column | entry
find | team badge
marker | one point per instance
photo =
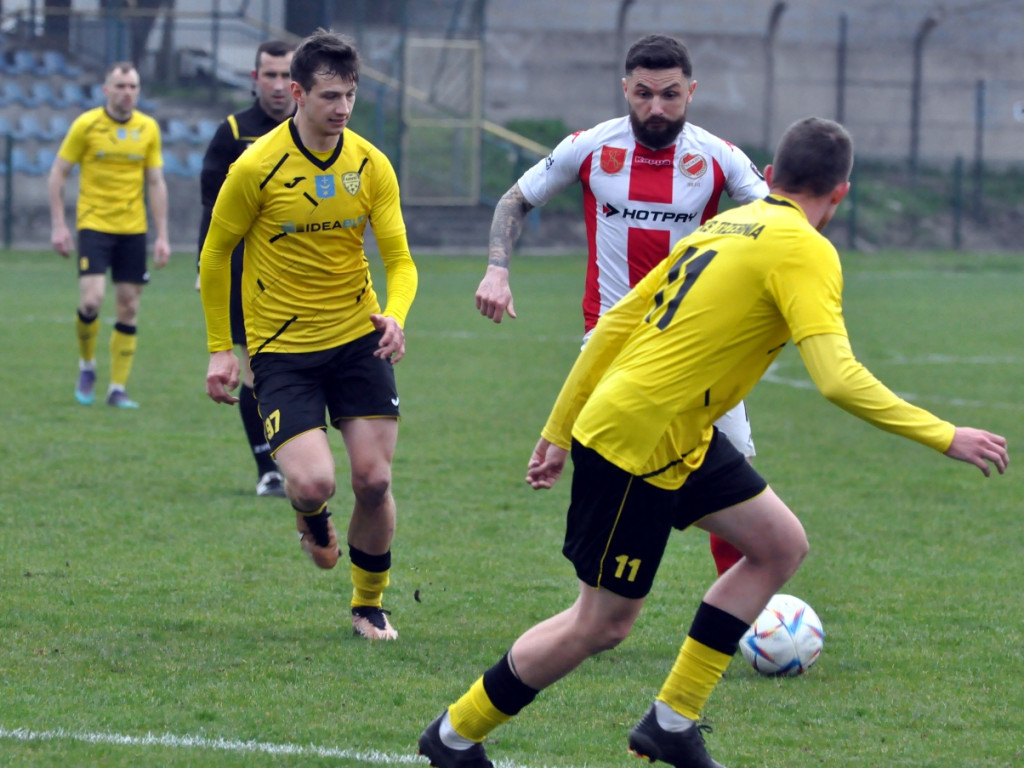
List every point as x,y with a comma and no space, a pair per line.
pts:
325,186
693,165
122,134
612,159
351,182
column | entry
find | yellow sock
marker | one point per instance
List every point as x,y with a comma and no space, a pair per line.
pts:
694,675
368,586
474,716
88,332
122,355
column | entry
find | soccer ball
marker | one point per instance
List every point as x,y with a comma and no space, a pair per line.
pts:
786,639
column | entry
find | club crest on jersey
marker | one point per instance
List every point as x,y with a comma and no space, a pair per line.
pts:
351,182
693,165
325,186
612,159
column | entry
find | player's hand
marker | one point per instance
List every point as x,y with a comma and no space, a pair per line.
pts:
61,240
545,465
222,377
198,281
161,252
978,447
391,346
493,296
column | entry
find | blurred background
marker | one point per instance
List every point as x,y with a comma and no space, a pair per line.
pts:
463,95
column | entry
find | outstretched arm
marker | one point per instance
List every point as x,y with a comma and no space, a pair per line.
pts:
493,296
845,382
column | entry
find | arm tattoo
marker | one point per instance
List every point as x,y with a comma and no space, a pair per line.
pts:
507,226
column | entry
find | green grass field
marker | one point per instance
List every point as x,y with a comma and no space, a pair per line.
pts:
154,612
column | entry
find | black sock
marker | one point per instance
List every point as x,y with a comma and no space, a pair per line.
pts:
317,525
249,410
506,691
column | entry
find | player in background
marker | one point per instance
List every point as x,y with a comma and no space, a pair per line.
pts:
118,150
301,196
649,178
271,80
687,343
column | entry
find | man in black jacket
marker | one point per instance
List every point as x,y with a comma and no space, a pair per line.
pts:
274,104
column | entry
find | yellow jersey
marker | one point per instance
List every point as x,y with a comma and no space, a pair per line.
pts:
306,282
695,335
113,156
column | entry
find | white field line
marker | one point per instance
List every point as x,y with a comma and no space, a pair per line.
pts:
169,740
774,376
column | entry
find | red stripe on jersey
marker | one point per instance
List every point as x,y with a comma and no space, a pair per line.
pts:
711,208
646,247
651,173
592,289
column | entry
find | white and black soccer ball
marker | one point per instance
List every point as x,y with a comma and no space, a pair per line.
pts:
786,639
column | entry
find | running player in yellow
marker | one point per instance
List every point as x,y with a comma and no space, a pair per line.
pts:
118,150
301,197
637,412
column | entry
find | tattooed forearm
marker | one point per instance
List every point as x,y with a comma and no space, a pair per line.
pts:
507,226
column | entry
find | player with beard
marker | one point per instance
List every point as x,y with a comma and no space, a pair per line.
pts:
649,179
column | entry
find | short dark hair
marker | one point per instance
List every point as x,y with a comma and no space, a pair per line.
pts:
659,52
327,54
118,66
273,48
814,155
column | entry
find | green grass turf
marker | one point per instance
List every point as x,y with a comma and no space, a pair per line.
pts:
146,591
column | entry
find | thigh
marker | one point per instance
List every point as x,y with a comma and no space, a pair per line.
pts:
759,527
361,386
370,444
290,392
617,526
128,262
306,458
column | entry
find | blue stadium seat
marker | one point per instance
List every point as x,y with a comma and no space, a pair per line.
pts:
14,93
178,131
95,95
44,95
194,162
54,63
173,165
75,96
28,127
23,63
22,162
205,130
58,127
5,128
45,157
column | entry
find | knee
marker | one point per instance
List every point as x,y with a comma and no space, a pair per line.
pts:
607,634
371,489
307,492
89,306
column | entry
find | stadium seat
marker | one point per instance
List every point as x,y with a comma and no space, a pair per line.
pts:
45,157
14,93
205,130
173,165
58,127
54,63
178,131
75,96
5,127
28,127
22,162
194,162
24,63
43,94
95,95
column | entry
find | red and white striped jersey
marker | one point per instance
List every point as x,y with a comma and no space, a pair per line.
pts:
637,201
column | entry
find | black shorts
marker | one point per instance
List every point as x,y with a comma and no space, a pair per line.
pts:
123,255
295,389
237,318
618,525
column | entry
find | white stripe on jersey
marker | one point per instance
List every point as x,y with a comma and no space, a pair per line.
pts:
638,202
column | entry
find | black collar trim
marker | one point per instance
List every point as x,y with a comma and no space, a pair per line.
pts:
323,165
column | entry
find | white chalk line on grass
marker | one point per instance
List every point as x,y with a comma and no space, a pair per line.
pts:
173,741
773,376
